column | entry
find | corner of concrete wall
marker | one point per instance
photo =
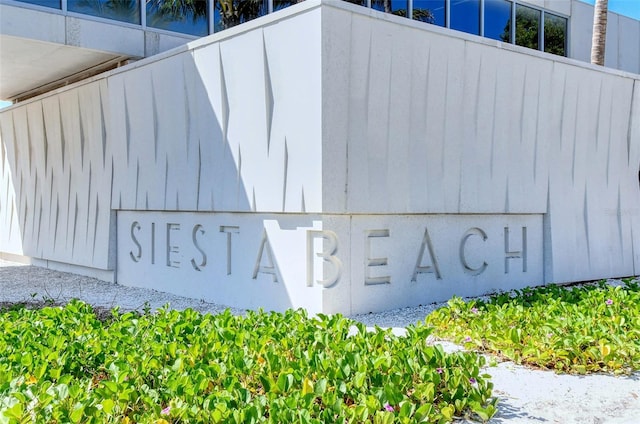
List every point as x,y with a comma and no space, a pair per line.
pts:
336,70
633,147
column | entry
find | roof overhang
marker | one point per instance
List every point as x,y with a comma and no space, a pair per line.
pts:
42,49
30,67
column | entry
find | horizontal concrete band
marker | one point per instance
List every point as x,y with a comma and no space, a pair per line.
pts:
328,263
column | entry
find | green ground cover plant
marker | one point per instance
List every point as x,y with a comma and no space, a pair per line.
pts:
63,364
579,330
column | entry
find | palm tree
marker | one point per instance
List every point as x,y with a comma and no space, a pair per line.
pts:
599,32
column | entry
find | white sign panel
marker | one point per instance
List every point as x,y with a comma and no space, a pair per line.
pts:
328,263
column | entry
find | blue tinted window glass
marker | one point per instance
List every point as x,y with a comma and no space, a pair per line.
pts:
527,26
555,34
118,10
431,11
497,20
397,7
186,17
229,13
47,3
358,2
465,16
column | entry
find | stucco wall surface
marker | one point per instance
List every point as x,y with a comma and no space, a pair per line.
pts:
58,161
231,124
417,121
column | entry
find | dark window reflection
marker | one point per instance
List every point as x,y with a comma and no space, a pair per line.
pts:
555,34
118,10
229,13
359,2
47,3
281,4
189,17
465,16
527,27
431,11
397,7
497,20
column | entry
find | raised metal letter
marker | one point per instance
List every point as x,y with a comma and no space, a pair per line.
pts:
371,262
516,253
463,260
265,269
426,269
328,255
153,243
135,258
229,230
203,262
172,249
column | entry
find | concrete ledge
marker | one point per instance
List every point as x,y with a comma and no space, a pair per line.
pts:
19,259
100,274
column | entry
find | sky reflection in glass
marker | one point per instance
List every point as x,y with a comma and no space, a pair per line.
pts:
497,20
431,11
397,6
194,23
47,3
433,8
465,16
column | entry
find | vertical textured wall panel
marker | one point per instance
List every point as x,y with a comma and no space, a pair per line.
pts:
447,125
56,154
10,233
352,115
232,125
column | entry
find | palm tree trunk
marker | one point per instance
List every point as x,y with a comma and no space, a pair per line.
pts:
599,32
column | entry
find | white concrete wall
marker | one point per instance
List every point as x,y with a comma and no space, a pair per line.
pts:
421,122
223,126
202,129
10,236
57,156
366,163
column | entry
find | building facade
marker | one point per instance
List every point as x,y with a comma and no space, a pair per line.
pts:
333,157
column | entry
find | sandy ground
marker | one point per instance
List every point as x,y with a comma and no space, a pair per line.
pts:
525,395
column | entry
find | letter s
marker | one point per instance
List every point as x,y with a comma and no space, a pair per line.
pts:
135,226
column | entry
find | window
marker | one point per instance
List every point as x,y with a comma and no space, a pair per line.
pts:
497,20
430,11
281,4
229,13
186,17
555,34
47,3
358,2
465,16
397,7
118,10
527,27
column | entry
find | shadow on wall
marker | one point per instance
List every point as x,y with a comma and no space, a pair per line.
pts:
209,130
203,130
57,165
